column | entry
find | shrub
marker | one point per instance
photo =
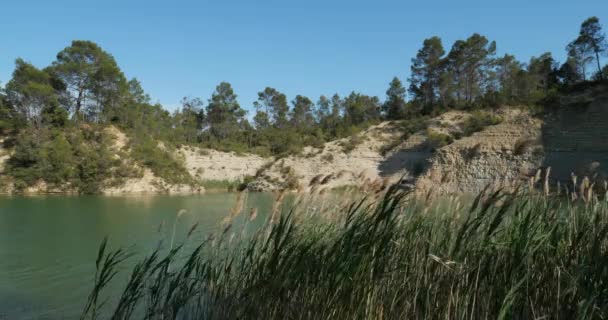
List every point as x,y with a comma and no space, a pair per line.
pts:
437,140
328,157
478,121
225,185
348,145
291,181
147,151
75,158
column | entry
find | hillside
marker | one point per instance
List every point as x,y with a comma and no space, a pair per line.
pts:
202,165
375,156
569,138
455,152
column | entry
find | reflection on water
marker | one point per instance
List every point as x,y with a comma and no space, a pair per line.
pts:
48,244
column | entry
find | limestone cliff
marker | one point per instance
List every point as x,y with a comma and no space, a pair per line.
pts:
499,154
571,137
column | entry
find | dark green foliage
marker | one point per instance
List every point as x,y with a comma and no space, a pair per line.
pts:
224,114
274,104
302,117
93,81
31,93
395,106
437,140
70,159
349,144
478,121
501,256
226,185
158,157
9,118
360,109
189,121
603,75
427,72
588,46
470,76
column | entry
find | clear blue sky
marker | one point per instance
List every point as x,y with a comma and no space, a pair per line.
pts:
185,48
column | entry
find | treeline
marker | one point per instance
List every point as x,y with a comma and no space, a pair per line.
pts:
85,85
85,88
471,74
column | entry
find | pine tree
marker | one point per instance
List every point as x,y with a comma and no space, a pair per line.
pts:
395,106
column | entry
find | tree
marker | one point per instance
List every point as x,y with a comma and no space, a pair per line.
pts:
426,71
189,119
322,109
92,78
395,106
9,118
468,64
569,72
136,92
508,74
592,41
224,112
601,75
302,113
329,114
261,119
543,72
360,109
30,92
579,58
274,104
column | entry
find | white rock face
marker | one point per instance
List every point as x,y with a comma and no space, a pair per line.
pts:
207,164
495,156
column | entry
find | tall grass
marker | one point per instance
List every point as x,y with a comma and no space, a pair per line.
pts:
505,255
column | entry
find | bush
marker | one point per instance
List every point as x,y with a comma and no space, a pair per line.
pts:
328,157
478,121
147,152
227,185
437,140
348,145
77,159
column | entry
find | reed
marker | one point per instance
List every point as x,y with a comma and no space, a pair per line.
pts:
518,254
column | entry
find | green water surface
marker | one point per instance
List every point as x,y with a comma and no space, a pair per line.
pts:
48,244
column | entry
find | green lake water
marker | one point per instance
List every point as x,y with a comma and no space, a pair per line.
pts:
48,245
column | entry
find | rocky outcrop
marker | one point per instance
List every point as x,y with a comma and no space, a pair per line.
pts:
377,153
499,154
208,164
570,138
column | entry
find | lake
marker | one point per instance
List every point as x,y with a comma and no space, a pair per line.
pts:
48,244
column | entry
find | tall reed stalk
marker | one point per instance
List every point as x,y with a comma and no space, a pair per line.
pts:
504,255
